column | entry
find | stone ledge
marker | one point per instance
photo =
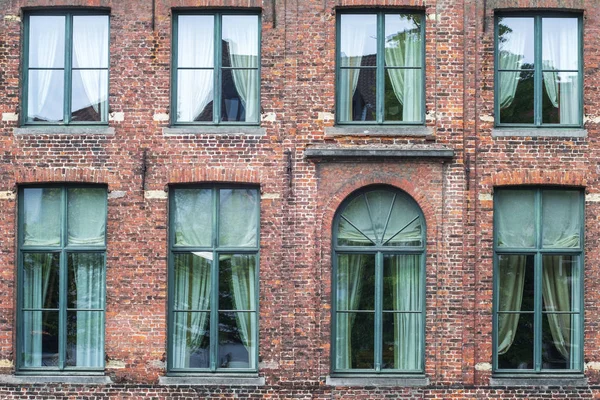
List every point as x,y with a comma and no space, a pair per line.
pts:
388,381
64,130
539,132
373,152
376,130
67,379
214,130
210,380
547,380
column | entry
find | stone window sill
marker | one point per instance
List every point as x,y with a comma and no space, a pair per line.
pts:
543,380
378,130
214,130
212,380
64,130
67,379
378,381
539,132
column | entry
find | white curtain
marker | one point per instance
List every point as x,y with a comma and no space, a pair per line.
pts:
86,216
238,224
510,56
405,50
195,48
241,34
42,217
90,47
192,217
192,292
243,288
46,49
349,284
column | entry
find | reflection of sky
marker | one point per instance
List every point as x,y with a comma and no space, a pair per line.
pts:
520,27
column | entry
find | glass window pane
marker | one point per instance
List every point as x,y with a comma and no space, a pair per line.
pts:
358,39
402,341
515,341
90,41
560,43
86,216
561,218
403,40
516,282
405,227
195,95
561,341
560,98
561,284
240,41
41,215
380,206
195,41
192,281
89,91
46,41
192,217
356,282
86,281
358,229
357,95
515,43
237,344
240,95
40,339
238,217
403,95
237,287
191,340
85,339
516,92
402,282
355,341
40,280
515,218
45,96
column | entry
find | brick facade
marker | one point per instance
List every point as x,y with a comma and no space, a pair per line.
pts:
299,195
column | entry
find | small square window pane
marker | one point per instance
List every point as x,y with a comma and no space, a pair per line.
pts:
45,95
515,43
192,217
90,41
240,94
40,339
195,41
40,280
561,284
561,341
561,219
85,339
237,287
402,341
46,41
402,282
515,219
87,216
560,98
357,95
358,40
355,282
403,40
237,344
42,213
89,95
516,97
238,218
355,341
403,95
560,43
240,41
515,341
192,281
516,283
191,340
86,281
195,95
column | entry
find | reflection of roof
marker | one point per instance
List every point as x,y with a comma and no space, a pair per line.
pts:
85,114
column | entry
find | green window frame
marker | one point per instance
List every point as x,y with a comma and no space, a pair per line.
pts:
396,64
538,64
538,281
66,64
213,306
61,279
378,284
216,85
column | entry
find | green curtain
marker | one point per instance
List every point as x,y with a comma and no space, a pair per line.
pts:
243,287
515,218
512,280
561,219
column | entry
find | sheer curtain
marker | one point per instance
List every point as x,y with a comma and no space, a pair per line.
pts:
349,274
244,294
195,48
42,217
241,34
192,216
512,48
86,216
238,223
512,282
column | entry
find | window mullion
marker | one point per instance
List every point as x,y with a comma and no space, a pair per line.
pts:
68,73
380,78
537,324
214,277
378,342
62,291
537,73
217,70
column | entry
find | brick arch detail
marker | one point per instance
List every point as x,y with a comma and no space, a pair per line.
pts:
214,174
391,3
52,175
537,177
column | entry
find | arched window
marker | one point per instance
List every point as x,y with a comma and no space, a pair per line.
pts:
378,283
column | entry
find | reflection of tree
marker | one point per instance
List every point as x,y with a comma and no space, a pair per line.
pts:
503,32
520,109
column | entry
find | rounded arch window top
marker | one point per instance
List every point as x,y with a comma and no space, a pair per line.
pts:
380,217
